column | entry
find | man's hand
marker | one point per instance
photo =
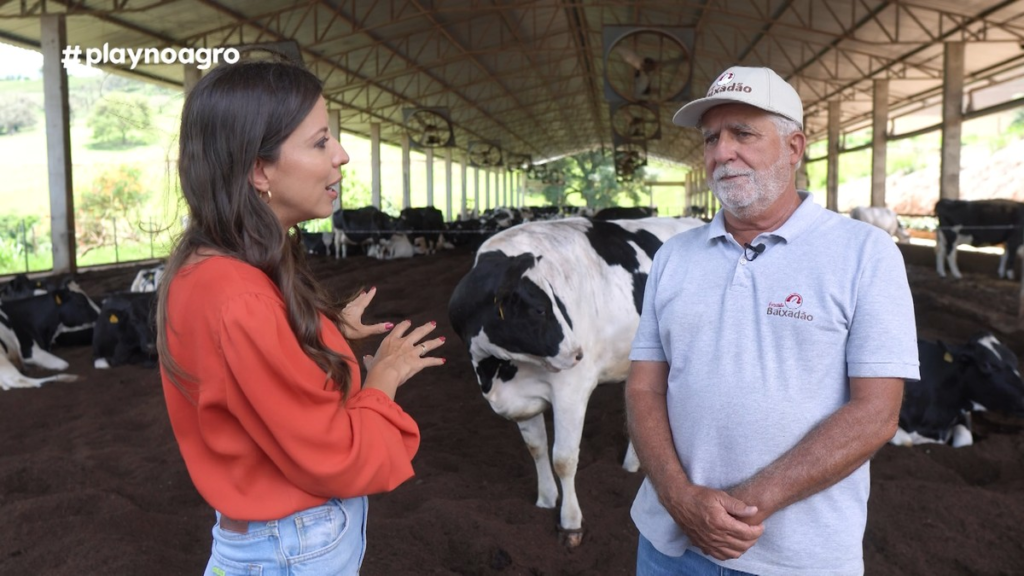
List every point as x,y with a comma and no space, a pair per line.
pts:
352,326
714,521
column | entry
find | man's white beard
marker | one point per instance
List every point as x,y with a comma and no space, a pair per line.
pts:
753,192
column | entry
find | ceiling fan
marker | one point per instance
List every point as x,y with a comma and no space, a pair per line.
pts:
537,172
518,162
647,64
629,157
429,127
554,177
634,121
484,154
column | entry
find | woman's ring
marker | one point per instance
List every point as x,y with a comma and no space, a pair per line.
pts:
424,351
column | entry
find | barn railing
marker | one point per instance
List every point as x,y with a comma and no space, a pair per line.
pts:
25,244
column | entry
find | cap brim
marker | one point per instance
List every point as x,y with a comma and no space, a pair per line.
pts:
690,114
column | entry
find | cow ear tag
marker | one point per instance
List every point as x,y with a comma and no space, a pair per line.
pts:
56,298
948,357
113,318
501,313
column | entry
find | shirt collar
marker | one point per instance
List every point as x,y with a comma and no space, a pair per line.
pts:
799,221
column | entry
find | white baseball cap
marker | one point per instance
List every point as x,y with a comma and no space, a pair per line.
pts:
758,87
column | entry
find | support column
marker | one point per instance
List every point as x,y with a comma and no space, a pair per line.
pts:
334,126
465,189
192,77
487,188
448,184
430,176
832,182
406,162
476,190
952,119
375,164
879,141
53,39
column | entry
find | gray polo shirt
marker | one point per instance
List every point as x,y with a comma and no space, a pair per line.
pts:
759,353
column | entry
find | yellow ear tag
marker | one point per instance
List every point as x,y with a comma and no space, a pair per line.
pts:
501,313
113,318
56,298
948,357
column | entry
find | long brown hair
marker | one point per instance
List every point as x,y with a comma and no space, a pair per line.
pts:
236,114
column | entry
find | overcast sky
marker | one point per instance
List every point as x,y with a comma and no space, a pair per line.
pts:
16,61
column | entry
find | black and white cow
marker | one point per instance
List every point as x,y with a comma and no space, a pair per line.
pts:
423,226
393,248
982,374
978,223
624,212
148,279
359,227
125,330
881,217
12,362
548,312
21,286
38,321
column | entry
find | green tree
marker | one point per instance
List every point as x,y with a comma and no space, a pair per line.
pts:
16,112
355,192
121,119
591,176
110,207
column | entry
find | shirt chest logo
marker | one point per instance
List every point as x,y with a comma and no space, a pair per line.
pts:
790,308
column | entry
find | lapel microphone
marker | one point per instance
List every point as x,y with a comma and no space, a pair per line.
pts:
755,249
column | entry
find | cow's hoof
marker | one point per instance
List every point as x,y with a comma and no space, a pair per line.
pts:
570,537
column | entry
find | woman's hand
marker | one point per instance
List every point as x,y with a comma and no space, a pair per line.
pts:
401,356
352,326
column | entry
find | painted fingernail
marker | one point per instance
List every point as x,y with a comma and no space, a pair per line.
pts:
441,339
432,323
388,326
372,288
444,360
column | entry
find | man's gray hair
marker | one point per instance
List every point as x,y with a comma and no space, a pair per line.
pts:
785,127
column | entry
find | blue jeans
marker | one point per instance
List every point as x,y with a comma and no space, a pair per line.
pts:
326,540
650,562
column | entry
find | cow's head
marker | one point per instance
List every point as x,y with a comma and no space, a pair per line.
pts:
994,380
506,308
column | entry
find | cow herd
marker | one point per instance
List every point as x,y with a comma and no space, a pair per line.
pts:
38,316
546,314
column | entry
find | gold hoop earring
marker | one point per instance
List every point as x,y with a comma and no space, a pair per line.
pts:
270,196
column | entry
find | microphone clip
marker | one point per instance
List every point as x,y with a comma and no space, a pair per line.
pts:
755,249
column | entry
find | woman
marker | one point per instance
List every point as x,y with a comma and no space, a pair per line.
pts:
263,392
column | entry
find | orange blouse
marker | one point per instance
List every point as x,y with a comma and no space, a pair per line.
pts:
266,437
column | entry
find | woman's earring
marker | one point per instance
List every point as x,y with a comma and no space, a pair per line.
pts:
269,196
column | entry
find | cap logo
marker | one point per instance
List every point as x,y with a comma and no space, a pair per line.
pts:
725,79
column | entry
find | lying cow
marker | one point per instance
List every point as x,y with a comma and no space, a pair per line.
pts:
38,321
548,313
978,223
360,227
882,217
21,287
12,362
398,246
125,331
148,279
979,375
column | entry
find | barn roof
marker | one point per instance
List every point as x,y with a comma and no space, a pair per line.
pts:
546,78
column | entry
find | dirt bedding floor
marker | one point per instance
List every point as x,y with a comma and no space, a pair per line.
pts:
91,482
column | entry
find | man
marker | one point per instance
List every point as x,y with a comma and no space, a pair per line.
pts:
769,362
